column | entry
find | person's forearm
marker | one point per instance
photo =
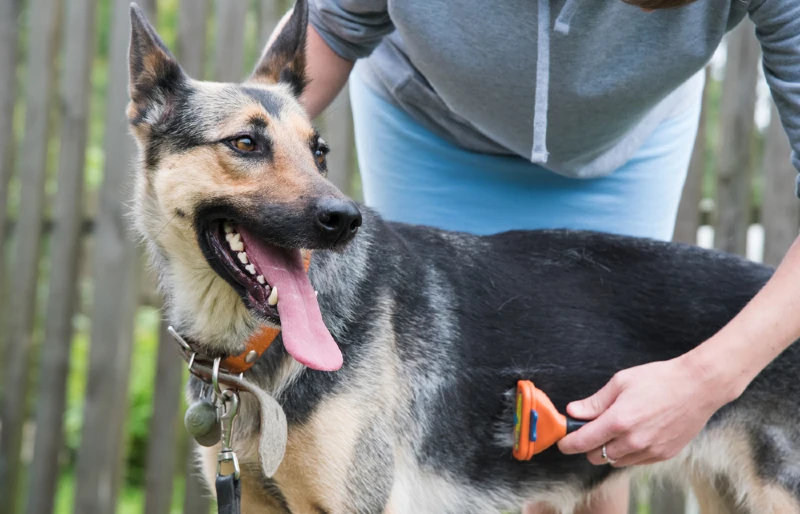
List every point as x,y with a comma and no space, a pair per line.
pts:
326,71
758,334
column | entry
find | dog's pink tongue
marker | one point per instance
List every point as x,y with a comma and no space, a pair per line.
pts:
305,336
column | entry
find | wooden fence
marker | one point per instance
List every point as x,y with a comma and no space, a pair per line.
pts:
73,271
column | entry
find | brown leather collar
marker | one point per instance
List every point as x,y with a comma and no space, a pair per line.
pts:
257,344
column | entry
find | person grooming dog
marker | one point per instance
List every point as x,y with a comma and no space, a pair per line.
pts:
520,115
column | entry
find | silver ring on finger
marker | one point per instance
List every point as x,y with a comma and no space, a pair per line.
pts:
605,456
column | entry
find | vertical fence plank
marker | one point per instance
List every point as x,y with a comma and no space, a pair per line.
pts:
42,44
780,212
338,133
65,250
9,14
688,219
192,23
191,53
162,439
114,274
736,130
229,63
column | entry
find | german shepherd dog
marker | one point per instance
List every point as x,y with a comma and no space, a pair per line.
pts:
395,380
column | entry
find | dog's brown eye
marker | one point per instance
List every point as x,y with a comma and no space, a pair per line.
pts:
244,144
320,151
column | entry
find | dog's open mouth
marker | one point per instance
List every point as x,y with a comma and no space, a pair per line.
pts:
274,285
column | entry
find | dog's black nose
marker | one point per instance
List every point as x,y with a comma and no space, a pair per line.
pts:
338,219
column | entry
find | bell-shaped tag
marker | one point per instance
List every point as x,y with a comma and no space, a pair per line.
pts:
202,422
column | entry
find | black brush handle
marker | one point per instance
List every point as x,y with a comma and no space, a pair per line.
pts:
574,424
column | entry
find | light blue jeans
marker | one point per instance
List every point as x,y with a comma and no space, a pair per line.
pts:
409,174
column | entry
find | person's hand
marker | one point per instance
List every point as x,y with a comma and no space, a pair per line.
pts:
645,414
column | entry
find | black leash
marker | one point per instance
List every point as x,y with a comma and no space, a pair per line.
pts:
229,494
229,491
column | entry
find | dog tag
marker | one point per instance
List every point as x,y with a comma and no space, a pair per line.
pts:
273,428
202,423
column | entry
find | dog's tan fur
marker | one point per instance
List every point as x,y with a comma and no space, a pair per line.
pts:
314,472
318,455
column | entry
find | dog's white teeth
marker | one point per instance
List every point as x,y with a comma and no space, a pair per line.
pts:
236,242
243,258
273,297
316,293
250,269
228,227
261,279
228,237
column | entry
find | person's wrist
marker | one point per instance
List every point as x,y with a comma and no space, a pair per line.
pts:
719,379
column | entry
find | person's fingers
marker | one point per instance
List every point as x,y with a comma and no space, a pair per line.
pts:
632,459
605,426
599,402
623,456
594,435
596,456
658,453
614,453
622,449
649,461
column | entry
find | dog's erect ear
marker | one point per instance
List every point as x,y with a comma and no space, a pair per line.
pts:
155,75
284,58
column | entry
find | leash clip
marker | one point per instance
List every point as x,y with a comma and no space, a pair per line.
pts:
230,408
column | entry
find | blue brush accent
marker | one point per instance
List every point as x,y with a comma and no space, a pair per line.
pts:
534,421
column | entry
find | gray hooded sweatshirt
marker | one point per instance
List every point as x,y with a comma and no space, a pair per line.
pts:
573,85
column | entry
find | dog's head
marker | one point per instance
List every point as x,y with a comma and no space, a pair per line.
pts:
231,187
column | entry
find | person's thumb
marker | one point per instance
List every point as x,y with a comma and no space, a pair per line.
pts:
591,407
